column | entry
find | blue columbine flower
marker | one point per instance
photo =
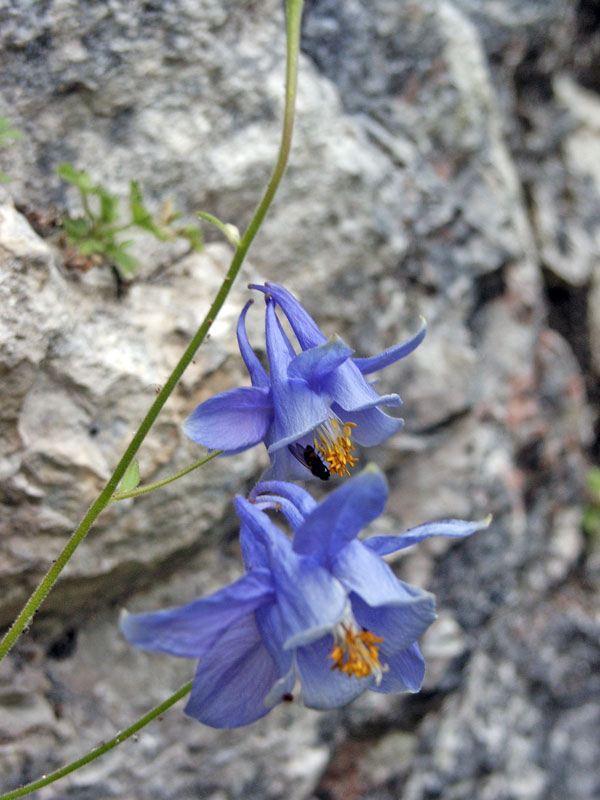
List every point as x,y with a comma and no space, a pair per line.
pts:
323,609
310,408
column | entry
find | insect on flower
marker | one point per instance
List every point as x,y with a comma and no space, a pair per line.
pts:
311,458
311,408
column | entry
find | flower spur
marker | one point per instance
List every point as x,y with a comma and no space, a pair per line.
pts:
312,406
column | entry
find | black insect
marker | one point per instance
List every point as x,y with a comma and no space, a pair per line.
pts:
311,459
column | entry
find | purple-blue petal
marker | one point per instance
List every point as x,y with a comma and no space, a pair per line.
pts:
311,600
399,625
232,421
306,329
352,392
272,629
191,630
258,374
405,672
380,602
298,409
253,550
392,354
317,363
373,425
364,572
296,494
340,517
234,678
279,349
279,503
284,465
322,687
261,529
454,528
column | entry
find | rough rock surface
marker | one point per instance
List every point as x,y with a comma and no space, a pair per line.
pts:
445,163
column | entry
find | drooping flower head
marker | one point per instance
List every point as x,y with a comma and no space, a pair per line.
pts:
323,609
312,405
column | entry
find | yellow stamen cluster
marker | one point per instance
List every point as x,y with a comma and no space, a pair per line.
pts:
335,445
356,652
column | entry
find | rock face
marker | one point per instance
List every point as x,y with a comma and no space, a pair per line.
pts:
445,163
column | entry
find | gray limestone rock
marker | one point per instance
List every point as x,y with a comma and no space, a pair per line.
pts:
443,165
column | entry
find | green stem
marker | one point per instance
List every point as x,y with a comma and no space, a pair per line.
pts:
294,16
104,498
101,749
86,208
150,487
118,229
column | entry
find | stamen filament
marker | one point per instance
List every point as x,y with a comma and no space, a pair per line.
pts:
356,652
335,446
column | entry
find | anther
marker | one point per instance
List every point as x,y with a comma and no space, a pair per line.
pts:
356,652
336,446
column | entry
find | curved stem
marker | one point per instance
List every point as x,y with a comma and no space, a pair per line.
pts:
294,16
150,487
101,749
104,498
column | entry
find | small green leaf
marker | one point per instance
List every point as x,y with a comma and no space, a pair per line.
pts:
131,478
127,263
77,228
591,522
138,211
148,224
226,228
140,216
109,205
80,179
233,234
89,246
592,481
192,234
8,134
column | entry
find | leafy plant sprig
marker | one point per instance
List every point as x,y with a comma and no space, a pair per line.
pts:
99,230
107,495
